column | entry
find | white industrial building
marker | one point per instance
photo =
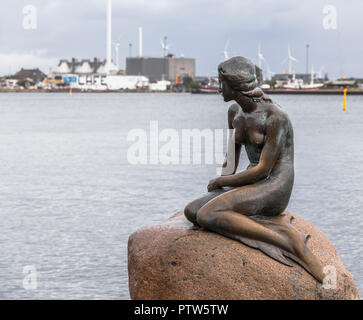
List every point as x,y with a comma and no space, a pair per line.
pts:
104,82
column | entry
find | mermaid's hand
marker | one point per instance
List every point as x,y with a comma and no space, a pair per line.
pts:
214,184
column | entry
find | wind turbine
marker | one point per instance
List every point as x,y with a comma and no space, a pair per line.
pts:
269,72
165,46
225,52
117,45
290,59
320,72
260,56
261,59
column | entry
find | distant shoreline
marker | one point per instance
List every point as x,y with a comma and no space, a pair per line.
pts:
352,91
82,91
267,91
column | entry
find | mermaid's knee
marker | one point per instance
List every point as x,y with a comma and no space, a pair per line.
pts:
190,213
206,218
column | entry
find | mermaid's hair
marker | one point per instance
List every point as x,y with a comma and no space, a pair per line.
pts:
240,73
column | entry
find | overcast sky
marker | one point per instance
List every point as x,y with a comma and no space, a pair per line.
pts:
195,28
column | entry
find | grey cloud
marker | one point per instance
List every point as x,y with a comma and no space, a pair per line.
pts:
196,28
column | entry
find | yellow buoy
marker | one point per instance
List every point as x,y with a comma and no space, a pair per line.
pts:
345,99
70,91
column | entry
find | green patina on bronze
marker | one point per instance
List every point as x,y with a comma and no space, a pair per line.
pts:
247,206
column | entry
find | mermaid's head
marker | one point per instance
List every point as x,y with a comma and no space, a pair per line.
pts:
238,76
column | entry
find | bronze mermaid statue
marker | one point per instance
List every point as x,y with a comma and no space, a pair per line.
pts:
248,206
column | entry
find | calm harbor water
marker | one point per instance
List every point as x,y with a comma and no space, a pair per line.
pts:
69,198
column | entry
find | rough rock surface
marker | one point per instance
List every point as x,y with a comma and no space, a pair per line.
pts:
175,260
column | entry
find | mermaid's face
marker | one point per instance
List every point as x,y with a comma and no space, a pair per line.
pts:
225,90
